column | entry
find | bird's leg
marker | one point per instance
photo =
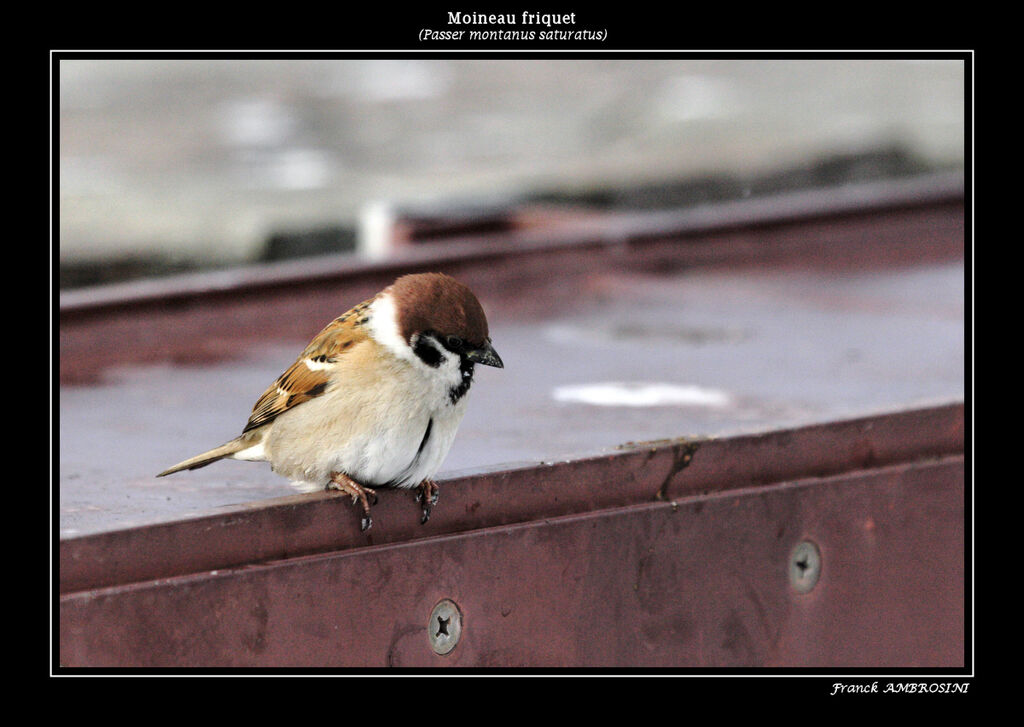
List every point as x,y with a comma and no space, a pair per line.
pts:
426,496
360,494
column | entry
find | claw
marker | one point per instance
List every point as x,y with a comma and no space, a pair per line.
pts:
426,495
360,494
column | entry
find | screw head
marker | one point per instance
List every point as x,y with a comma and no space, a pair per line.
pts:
444,628
804,566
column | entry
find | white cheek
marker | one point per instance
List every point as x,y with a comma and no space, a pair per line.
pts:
444,376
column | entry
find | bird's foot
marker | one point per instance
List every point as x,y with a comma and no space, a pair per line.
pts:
426,496
365,496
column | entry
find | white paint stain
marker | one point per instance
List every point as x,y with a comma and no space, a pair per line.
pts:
641,394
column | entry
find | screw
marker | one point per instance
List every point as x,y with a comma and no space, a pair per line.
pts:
804,566
444,626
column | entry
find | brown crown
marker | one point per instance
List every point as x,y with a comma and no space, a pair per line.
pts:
438,302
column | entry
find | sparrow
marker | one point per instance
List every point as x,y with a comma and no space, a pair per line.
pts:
375,399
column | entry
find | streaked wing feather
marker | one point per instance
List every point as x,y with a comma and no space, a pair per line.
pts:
309,375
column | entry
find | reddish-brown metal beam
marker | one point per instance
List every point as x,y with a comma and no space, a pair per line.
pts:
699,581
299,525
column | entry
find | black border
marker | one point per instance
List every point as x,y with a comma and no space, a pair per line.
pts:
634,35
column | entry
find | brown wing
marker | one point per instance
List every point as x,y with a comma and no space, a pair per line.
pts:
308,376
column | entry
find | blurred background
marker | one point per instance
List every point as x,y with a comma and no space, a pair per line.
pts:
183,164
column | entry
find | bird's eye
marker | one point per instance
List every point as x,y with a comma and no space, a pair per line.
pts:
453,342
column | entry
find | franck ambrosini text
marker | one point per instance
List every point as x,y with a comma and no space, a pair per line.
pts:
901,688
512,26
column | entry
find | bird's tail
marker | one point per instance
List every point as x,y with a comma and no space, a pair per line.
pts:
217,453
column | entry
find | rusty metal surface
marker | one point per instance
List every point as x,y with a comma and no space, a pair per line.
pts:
697,582
783,349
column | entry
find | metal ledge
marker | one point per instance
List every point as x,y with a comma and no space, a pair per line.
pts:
300,525
700,581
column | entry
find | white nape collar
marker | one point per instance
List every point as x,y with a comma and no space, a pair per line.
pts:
383,326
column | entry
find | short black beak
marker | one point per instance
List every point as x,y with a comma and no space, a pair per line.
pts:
485,355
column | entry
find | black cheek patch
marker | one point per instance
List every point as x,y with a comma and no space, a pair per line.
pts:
427,353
